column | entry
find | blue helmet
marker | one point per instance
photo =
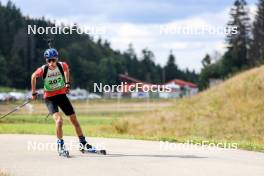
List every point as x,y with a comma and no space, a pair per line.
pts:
50,53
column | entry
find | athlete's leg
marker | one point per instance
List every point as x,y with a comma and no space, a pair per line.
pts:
78,130
52,106
76,125
59,122
68,109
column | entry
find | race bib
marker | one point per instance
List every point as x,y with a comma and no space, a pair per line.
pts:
54,80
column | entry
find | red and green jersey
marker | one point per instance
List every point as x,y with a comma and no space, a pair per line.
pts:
54,83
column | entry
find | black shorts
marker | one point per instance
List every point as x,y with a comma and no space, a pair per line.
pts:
53,103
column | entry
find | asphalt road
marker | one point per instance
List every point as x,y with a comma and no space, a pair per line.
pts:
35,155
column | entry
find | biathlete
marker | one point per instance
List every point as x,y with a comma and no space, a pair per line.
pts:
56,76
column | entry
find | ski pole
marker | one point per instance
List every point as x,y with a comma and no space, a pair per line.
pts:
16,109
49,41
47,116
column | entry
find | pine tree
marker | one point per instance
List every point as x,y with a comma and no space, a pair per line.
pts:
171,69
238,42
257,45
206,60
3,71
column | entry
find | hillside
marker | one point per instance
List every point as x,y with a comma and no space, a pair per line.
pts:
232,111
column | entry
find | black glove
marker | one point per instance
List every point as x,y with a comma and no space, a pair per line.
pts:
34,96
68,87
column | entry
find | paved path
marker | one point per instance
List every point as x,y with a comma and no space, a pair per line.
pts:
125,158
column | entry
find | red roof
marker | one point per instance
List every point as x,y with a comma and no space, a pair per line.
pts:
183,83
179,82
131,79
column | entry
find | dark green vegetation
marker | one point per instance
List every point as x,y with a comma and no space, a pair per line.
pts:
94,61
90,61
245,49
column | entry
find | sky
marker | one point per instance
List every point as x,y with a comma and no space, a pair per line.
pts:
159,25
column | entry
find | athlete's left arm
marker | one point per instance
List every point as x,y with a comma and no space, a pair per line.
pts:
66,72
67,75
67,78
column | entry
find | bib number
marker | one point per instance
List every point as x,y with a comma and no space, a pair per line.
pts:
55,81
52,84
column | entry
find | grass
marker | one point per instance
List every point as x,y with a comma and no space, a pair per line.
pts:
231,112
94,116
31,124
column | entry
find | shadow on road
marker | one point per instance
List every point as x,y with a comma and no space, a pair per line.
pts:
151,156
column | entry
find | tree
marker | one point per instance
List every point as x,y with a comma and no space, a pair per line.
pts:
171,68
89,60
147,66
206,60
257,44
238,41
210,71
3,71
236,57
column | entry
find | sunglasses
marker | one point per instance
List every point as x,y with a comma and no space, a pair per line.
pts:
51,60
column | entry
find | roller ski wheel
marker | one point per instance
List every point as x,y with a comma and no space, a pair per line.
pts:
93,150
64,153
90,149
102,152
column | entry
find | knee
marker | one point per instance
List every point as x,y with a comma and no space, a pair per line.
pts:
59,122
73,117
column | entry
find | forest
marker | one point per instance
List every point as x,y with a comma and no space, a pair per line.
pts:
93,61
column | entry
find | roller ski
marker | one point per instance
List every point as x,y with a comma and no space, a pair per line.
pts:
87,148
62,151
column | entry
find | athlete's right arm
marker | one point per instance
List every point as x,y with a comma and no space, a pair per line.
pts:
33,86
38,73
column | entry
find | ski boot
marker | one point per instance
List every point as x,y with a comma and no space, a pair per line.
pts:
87,148
62,151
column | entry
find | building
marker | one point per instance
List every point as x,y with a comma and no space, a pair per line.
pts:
184,88
178,88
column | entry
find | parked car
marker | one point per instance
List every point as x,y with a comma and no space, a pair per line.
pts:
93,96
17,95
4,96
78,94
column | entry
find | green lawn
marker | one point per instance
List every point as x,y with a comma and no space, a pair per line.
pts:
94,116
35,124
